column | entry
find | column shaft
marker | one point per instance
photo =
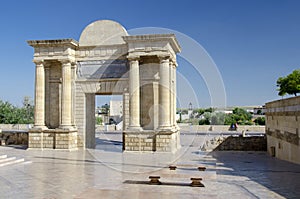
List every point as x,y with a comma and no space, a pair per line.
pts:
39,111
134,92
171,94
66,104
164,94
174,94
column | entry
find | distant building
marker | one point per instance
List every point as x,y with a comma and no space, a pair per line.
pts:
115,111
116,108
259,110
224,111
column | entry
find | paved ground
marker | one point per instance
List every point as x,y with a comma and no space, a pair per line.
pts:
106,172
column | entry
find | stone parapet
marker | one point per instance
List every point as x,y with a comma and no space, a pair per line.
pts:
14,137
254,143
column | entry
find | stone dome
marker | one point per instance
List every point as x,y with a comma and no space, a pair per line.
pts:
102,32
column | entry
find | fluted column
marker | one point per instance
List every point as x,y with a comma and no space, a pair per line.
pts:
66,101
171,94
164,94
134,94
174,94
39,100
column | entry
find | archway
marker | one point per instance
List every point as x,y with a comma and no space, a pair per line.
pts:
106,60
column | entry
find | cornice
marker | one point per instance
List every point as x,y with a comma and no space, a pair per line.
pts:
54,42
171,38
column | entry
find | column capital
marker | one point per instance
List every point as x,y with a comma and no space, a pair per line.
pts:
67,62
164,58
133,58
38,62
173,63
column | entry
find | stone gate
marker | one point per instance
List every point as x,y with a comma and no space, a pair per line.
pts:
106,60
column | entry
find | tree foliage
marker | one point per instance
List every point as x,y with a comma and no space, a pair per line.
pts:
10,114
239,116
289,84
260,121
215,118
99,120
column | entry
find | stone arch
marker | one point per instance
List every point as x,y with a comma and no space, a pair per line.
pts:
106,60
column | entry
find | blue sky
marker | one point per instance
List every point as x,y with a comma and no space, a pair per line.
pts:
252,42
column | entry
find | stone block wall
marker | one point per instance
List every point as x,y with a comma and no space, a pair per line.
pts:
16,138
34,140
282,129
25,127
220,128
53,140
148,141
255,143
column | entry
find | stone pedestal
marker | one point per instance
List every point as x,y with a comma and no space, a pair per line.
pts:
52,139
151,141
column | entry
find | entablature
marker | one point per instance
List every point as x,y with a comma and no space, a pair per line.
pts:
58,49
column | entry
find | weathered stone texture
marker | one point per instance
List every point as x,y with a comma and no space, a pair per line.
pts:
254,143
282,128
105,61
151,141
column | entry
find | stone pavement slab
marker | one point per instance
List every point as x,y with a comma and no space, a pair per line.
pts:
106,172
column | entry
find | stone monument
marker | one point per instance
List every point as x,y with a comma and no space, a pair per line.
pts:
105,61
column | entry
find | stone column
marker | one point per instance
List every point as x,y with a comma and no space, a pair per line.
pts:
73,71
66,101
39,111
134,94
47,96
174,94
164,94
171,95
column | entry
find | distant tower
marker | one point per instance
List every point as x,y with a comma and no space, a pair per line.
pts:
190,106
190,110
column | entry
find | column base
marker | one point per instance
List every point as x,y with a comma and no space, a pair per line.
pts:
164,128
67,127
38,128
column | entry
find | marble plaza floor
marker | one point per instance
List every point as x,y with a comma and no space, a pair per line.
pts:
106,172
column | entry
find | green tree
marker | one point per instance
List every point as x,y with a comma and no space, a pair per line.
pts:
99,120
200,111
240,116
105,109
206,118
212,118
184,111
210,110
260,121
10,114
289,84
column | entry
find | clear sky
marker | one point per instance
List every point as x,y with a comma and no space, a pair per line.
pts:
252,42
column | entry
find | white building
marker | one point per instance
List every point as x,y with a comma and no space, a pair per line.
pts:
115,108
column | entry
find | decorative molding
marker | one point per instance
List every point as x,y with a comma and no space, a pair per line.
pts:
55,42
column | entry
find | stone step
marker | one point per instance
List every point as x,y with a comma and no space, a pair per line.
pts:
7,159
3,156
14,161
